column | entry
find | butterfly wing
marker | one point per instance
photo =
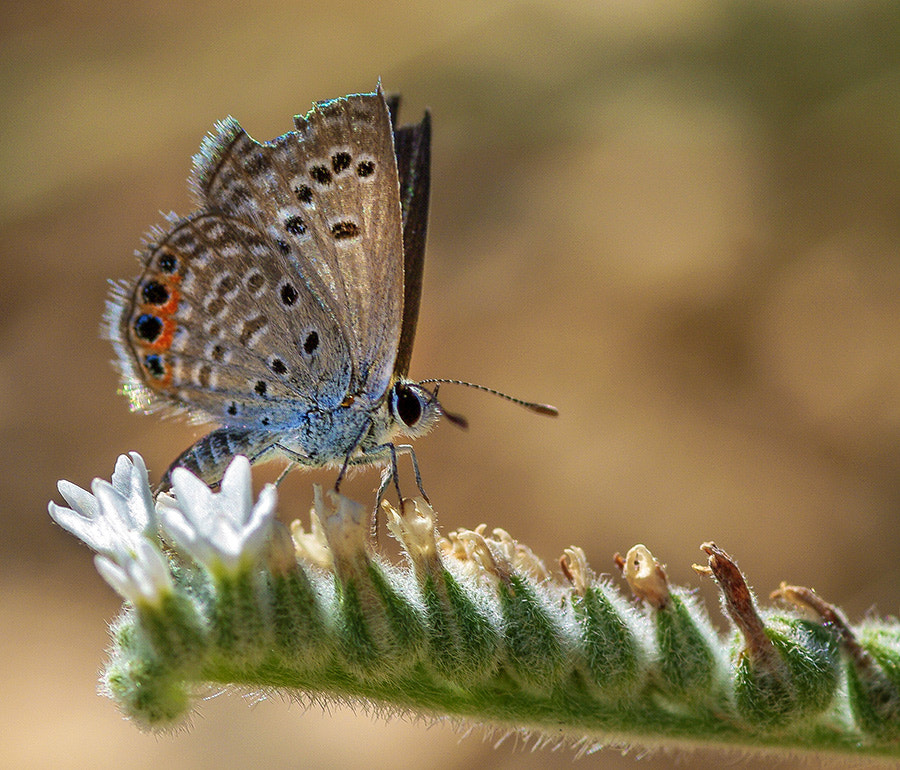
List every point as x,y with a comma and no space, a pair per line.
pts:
412,146
327,195
221,325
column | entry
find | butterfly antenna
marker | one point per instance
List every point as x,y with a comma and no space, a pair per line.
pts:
547,409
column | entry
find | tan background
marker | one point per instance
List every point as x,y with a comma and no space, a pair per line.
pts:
678,221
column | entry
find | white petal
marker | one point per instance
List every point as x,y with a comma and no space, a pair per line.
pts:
79,499
237,488
183,533
131,480
194,498
113,574
266,503
260,524
150,570
221,530
116,515
75,523
114,522
142,578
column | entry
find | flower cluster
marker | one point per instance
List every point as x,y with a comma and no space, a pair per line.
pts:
223,532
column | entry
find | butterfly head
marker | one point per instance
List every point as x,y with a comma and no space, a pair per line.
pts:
415,409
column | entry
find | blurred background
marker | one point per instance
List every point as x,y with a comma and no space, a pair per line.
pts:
677,221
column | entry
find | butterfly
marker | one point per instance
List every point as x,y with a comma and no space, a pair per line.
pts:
285,307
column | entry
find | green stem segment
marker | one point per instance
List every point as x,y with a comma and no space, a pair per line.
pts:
474,627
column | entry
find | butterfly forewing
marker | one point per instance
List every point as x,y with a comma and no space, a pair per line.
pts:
327,195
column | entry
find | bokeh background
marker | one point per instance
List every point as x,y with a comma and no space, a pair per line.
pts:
678,221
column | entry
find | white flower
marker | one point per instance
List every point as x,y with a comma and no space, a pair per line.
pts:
142,578
221,530
119,521
116,516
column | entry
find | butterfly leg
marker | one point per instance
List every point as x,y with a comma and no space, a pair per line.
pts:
386,475
341,473
415,464
281,476
393,450
394,473
295,459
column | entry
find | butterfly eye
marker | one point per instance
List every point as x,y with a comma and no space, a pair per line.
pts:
406,404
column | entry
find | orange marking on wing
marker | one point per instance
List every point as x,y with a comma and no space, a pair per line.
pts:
165,314
174,297
164,341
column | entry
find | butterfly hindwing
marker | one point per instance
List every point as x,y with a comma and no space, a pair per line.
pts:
219,323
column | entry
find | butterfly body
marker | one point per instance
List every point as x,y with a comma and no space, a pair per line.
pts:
285,307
